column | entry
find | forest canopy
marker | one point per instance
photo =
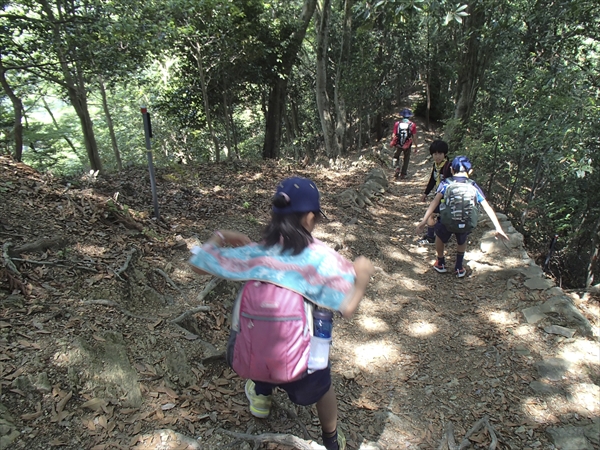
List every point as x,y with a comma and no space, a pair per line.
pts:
515,85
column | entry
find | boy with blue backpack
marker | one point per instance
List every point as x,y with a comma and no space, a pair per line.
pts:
458,199
293,282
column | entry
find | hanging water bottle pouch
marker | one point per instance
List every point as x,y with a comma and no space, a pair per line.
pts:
318,358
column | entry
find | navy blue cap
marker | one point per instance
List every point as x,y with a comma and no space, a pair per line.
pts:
301,194
461,164
406,113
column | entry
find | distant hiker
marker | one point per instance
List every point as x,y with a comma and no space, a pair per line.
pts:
440,171
403,137
458,199
288,265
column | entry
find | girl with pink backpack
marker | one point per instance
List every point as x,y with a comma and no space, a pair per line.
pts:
289,274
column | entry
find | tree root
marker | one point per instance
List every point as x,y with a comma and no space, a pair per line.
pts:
213,283
289,440
124,267
7,261
449,443
41,245
169,281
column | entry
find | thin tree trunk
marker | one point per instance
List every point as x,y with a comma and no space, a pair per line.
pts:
17,131
341,127
513,188
227,128
494,164
322,15
278,90
531,194
51,114
202,78
109,123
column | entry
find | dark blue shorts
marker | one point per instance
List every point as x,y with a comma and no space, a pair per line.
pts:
442,232
305,391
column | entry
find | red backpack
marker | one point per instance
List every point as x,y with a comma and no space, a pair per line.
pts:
270,334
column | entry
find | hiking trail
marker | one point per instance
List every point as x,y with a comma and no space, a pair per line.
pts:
108,340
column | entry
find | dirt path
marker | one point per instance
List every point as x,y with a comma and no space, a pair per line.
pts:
89,358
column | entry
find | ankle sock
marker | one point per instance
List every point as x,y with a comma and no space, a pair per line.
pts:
330,440
441,261
431,232
459,260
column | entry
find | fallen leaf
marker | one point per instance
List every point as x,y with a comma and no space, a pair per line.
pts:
95,404
31,416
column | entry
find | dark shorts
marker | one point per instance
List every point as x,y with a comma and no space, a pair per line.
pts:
305,391
445,235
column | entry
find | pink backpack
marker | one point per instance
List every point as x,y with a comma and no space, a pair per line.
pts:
270,334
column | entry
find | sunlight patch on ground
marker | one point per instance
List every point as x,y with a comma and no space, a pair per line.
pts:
373,324
585,397
91,250
537,409
501,317
376,352
421,329
397,254
580,352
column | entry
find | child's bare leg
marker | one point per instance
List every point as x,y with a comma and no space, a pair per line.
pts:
327,411
439,247
431,221
461,248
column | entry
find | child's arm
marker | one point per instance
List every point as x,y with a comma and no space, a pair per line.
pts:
429,186
224,237
434,204
364,269
492,215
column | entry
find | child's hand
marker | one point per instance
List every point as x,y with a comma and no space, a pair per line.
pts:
424,198
363,266
234,238
420,228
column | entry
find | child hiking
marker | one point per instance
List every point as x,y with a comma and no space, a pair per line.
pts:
403,136
458,198
288,269
440,171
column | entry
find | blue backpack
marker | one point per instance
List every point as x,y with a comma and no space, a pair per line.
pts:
459,209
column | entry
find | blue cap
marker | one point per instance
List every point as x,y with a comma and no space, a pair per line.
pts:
461,164
301,194
406,113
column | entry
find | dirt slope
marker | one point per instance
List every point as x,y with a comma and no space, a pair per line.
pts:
90,356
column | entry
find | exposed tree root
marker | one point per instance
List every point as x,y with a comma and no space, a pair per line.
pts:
449,443
41,245
289,440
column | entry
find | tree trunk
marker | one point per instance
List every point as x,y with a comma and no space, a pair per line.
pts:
322,16
202,78
109,123
472,68
78,99
76,90
17,104
278,90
